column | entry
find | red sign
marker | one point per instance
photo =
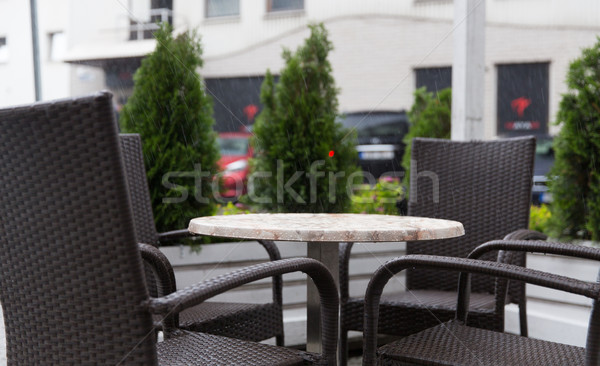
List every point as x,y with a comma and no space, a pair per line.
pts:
519,105
250,111
522,99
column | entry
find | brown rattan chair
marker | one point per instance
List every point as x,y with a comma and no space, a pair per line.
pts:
248,321
485,185
72,283
456,343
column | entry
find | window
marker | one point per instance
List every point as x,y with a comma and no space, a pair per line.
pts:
222,8
522,99
237,101
57,45
434,79
285,5
3,50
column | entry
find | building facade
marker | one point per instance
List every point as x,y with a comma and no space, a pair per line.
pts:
383,50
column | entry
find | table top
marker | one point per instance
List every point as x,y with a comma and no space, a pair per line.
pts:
326,227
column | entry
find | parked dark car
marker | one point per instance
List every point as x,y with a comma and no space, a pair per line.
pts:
380,133
544,158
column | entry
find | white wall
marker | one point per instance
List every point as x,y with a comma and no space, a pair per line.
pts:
53,16
375,57
377,43
16,74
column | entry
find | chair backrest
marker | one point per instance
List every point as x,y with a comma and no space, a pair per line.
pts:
71,278
486,185
143,218
133,158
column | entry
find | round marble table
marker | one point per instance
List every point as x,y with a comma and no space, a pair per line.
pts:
323,233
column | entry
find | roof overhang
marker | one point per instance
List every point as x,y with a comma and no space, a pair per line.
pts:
100,55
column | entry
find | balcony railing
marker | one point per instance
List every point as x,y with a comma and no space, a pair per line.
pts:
144,30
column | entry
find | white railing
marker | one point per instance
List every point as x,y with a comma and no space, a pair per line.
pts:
138,28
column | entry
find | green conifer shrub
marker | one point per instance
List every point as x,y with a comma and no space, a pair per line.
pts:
297,132
575,175
173,115
429,116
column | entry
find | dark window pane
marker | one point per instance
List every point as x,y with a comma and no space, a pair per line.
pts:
434,79
523,99
278,5
236,101
161,4
3,50
221,8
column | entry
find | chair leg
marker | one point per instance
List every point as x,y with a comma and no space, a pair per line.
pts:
523,318
343,347
280,340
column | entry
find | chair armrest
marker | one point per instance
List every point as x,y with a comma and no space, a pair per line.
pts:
507,247
173,235
160,265
525,234
162,271
508,271
537,246
195,294
269,246
274,255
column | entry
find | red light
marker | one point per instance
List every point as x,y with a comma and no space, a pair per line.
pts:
331,153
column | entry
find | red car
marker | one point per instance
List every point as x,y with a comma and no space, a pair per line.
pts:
235,152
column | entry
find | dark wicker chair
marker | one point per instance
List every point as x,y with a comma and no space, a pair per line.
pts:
72,283
252,322
487,187
456,343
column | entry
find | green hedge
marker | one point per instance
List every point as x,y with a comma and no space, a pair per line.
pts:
429,116
575,175
297,138
173,115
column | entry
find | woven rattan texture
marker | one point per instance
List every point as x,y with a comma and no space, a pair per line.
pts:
187,348
66,239
254,322
322,278
436,305
454,344
463,345
484,185
133,158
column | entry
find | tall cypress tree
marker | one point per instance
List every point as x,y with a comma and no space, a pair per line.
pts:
575,175
173,115
298,140
430,116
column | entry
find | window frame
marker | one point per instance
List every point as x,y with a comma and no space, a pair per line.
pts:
271,11
206,15
52,57
4,55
